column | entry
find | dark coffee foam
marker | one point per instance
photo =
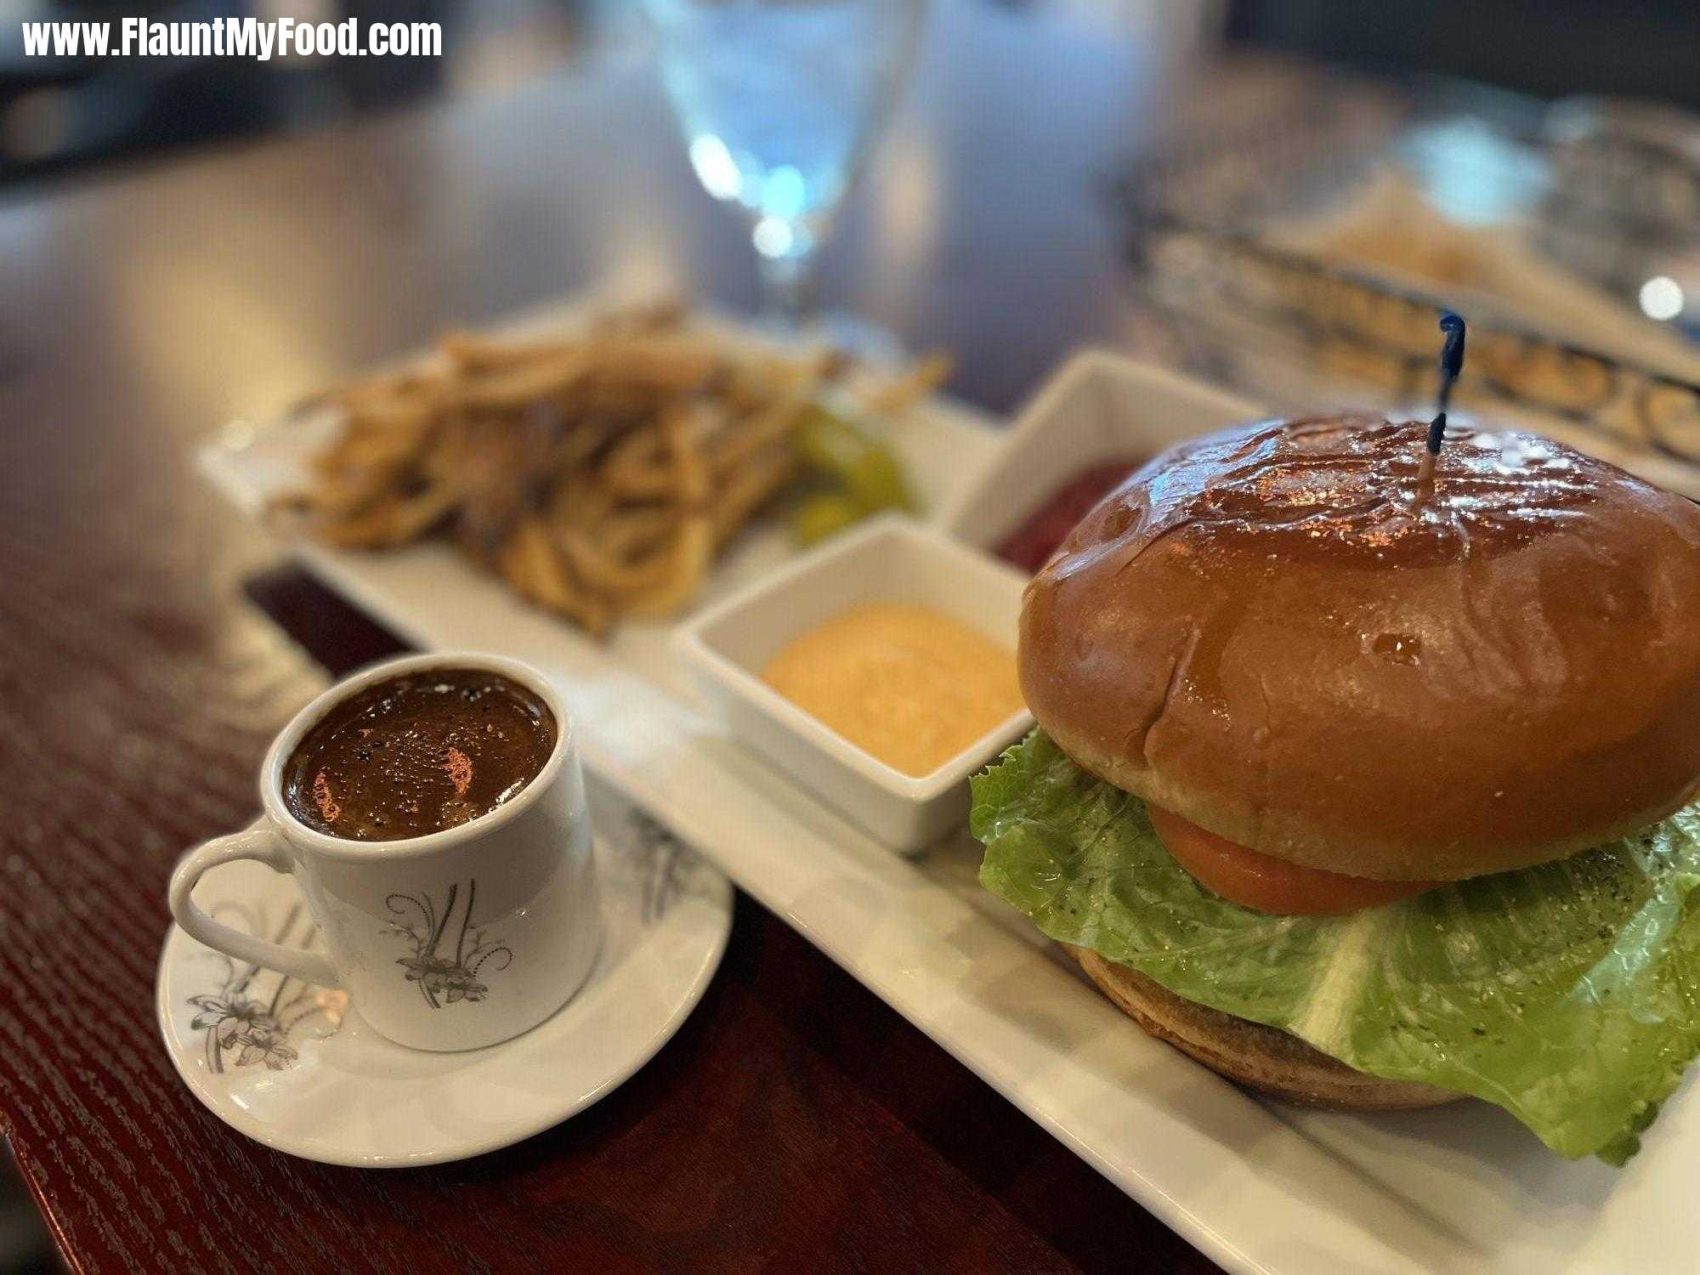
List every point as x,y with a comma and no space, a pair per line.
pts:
417,754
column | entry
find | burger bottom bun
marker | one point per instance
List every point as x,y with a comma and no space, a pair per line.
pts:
1263,1058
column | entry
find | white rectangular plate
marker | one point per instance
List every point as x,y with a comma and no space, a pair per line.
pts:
1257,1187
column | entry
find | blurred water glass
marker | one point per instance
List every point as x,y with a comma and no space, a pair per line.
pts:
779,102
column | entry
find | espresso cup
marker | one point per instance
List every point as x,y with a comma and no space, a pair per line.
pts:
453,940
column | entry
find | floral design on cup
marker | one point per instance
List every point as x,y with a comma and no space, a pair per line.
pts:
247,1022
445,977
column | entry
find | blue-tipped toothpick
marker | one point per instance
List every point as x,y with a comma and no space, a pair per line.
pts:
1451,355
1451,364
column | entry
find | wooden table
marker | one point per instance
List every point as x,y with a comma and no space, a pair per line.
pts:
795,1119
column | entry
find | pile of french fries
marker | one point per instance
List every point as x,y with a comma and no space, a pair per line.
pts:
599,475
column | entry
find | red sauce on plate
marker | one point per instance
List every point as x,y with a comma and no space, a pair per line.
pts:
1032,543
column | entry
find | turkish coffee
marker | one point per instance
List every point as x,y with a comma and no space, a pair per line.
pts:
418,753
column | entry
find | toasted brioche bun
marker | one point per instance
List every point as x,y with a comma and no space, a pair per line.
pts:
1264,632
1258,1057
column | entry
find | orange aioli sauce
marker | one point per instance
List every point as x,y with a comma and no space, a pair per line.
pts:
904,683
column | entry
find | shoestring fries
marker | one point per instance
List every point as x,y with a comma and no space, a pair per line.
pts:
600,476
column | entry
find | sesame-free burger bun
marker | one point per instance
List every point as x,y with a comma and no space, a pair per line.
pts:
1267,632
1261,1058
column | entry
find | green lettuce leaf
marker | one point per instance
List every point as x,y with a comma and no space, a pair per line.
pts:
1569,994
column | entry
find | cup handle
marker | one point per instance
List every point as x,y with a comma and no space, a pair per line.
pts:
262,844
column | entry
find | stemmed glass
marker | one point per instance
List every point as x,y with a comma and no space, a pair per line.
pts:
780,101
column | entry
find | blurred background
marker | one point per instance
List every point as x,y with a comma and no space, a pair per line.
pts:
59,117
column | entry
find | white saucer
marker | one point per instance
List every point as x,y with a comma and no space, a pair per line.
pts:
296,1068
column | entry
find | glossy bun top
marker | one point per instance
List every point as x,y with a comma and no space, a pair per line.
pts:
1279,633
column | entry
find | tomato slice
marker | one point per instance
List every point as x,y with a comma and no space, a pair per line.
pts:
1260,881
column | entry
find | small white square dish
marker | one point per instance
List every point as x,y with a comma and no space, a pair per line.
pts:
891,559
1098,408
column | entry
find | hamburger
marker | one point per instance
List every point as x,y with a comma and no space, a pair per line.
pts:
1369,788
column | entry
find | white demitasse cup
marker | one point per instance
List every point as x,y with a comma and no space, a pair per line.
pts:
453,940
